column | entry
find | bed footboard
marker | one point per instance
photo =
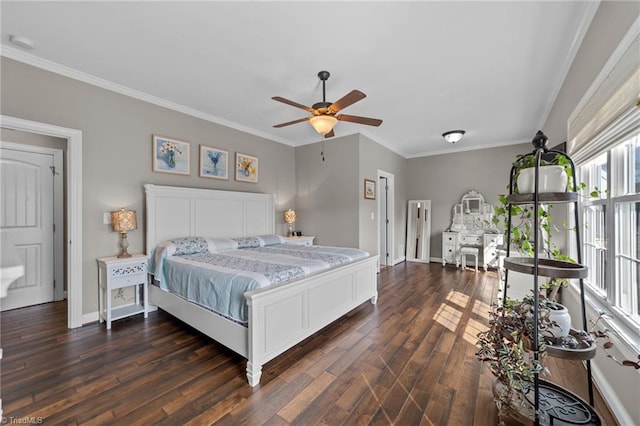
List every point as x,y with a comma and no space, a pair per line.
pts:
284,315
222,330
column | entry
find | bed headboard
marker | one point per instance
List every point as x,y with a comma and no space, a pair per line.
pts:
174,212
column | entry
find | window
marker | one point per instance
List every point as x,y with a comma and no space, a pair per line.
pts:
611,243
595,246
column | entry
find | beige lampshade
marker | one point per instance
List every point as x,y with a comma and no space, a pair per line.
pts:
323,123
123,220
290,216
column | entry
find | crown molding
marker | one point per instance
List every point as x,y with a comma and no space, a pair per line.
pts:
47,65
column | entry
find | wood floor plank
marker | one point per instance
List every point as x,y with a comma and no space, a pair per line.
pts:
408,360
298,404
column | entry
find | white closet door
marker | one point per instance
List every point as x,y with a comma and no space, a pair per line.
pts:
26,220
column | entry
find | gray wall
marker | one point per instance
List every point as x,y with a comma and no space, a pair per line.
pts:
117,133
331,203
444,179
374,157
610,23
327,201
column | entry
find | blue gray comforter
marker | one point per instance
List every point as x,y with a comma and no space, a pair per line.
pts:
215,273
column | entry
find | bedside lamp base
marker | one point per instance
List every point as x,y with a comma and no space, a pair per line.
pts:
124,245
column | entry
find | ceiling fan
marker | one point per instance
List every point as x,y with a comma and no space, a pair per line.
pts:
324,116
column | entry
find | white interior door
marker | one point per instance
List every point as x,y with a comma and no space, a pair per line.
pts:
384,222
26,219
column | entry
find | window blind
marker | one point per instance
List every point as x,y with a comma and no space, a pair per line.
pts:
610,110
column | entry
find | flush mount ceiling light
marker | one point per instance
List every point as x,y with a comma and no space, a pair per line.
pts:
453,136
22,42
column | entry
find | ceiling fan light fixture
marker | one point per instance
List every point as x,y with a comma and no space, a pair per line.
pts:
323,124
453,136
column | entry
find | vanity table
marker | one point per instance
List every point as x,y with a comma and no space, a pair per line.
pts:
471,226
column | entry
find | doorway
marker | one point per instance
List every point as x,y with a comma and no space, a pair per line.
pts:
72,206
386,218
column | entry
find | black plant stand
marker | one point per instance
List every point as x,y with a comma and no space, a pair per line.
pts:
550,404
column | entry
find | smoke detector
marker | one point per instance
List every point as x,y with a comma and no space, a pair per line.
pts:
22,42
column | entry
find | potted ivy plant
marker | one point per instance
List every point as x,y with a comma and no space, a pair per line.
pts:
554,172
553,177
505,347
521,240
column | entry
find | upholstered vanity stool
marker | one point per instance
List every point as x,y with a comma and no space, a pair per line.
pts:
469,251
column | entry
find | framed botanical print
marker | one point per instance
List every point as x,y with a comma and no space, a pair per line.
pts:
246,168
214,163
170,156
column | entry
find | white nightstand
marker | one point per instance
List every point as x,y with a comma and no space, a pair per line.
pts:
115,273
300,241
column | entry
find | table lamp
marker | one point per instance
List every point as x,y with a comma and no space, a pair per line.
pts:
123,221
290,218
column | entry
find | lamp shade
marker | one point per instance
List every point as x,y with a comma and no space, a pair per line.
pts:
123,220
453,136
290,216
323,123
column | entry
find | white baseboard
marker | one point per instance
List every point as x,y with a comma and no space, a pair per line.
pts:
90,317
94,317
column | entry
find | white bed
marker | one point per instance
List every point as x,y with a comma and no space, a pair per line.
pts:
280,316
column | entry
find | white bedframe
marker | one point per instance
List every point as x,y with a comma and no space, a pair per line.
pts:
279,316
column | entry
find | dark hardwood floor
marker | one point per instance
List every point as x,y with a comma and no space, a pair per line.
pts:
408,360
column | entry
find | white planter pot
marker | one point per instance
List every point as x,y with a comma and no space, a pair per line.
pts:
560,315
551,179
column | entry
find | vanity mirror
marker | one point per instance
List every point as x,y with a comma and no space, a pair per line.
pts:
472,214
472,205
471,227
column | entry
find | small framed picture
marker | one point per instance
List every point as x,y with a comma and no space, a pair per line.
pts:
170,156
369,189
214,163
246,168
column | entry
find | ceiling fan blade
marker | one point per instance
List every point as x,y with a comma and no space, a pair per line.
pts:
349,99
292,103
330,134
362,120
289,123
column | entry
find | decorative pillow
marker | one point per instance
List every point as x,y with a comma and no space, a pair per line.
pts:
190,245
249,242
270,240
258,241
217,245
